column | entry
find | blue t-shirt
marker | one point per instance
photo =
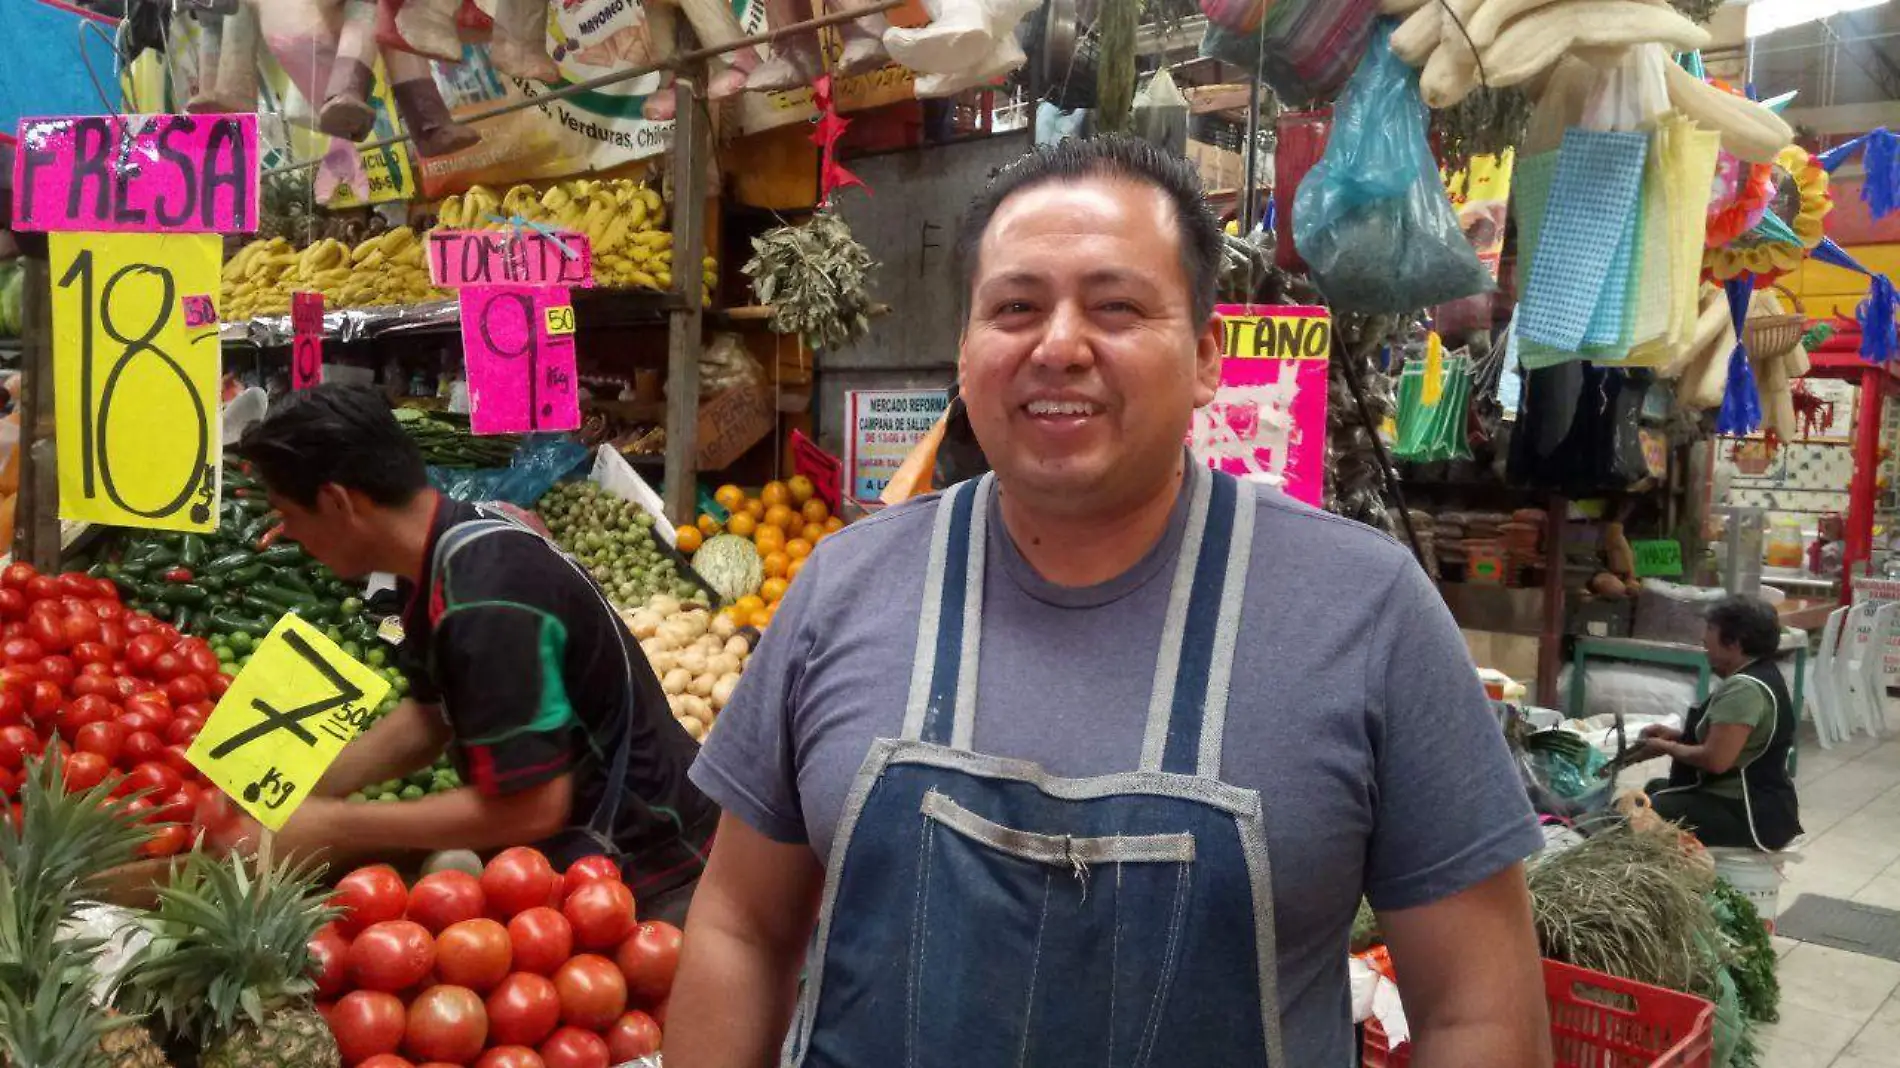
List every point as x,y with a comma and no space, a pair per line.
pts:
1355,712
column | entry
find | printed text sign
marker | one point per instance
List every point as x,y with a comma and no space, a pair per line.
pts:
284,719
521,378
136,388
462,258
881,428
164,173
1268,418
306,339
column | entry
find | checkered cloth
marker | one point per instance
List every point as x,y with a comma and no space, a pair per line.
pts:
1588,218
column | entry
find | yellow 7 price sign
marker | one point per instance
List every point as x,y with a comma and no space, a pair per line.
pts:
284,719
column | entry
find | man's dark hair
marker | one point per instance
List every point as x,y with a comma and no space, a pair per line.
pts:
341,434
1749,622
1114,156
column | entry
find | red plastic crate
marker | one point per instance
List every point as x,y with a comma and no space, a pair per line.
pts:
1599,1021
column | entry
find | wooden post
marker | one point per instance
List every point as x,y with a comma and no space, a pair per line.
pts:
36,511
692,147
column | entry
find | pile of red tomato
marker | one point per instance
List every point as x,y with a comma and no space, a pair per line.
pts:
523,967
105,691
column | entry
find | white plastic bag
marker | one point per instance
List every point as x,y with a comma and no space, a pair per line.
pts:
1630,95
615,475
1161,114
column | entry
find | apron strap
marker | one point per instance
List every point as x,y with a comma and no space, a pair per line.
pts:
1187,713
493,521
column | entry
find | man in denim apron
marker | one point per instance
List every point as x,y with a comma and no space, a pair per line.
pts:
1090,761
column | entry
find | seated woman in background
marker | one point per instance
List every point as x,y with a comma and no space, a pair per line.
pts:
1729,782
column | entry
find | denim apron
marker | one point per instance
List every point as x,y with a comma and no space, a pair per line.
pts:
596,836
980,912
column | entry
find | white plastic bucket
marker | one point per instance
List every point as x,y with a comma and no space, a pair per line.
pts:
1755,875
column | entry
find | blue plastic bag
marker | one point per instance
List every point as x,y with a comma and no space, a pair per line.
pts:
1371,219
540,462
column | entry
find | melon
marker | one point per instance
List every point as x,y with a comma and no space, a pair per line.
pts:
730,565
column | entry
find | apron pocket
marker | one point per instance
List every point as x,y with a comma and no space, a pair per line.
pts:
1021,920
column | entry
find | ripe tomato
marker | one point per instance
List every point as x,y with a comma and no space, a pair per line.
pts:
517,879
177,806
113,635
571,1047
139,623
142,747
47,698
12,707
79,627
76,584
184,730
12,604
391,955
9,782
369,895
218,684
87,654
601,913
328,965
542,940
523,1009
58,669
203,661
166,840
83,771
648,960
81,714
42,588
585,870
446,1023
633,1035
17,743
21,651
47,629
473,953
510,1057
445,898
366,1023
154,779
169,665
143,650
386,1060
186,689
20,677
104,738
175,759
16,576
593,992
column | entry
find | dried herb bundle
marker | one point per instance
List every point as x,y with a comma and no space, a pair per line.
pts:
1629,904
815,277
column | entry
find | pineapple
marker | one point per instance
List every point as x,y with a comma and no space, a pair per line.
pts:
48,1018
228,967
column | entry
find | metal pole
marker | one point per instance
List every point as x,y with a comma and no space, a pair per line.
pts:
692,147
1864,488
36,515
1249,182
683,61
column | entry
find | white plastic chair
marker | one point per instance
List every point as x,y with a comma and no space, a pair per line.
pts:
1825,684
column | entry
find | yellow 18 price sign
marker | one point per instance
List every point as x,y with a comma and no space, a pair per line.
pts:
135,376
284,719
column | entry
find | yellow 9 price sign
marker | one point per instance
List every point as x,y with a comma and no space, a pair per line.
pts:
284,720
135,374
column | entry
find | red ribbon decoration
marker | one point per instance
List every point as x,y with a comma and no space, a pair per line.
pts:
829,129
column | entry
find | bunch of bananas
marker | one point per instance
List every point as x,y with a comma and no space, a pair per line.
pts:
623,221
387,268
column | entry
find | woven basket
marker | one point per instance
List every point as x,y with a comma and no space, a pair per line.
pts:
1771,336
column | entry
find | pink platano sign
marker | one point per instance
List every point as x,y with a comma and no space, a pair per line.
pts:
518,348
462,258
1268,419
149,173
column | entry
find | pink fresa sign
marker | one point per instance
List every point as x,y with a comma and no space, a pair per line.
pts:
146,173
1267,422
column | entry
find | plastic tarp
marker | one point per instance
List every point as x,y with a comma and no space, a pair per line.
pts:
50,77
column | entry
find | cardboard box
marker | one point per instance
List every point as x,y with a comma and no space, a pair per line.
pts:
732,421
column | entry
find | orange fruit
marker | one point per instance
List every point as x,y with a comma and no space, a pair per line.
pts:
761,619
709,526
798,548
689,539
814,511
755,507
768,538
773,590
730,497
775,493
792,570
741,524
777,565
833,525
811,532
800,488
750,603
779,516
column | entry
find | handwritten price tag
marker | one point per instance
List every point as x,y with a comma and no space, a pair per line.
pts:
284,720
151,173
1661,558
521,374
306,340
462,258
200,310
136,386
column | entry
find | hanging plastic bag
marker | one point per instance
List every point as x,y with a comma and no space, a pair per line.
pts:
1434,403
1161,114
1372,220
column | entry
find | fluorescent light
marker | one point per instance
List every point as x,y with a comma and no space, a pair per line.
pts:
1767,16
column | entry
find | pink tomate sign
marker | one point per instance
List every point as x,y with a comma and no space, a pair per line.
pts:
306,340
462,258
1267,422
518,349
165,173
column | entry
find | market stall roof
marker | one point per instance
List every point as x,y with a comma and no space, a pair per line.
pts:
1839,357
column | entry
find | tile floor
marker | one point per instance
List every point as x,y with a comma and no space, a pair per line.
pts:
1840,1009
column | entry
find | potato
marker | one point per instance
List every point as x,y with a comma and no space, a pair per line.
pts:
702,686
677,680
722,690
738,646
724,663
723,627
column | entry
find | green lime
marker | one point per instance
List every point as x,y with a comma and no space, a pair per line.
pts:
412,793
